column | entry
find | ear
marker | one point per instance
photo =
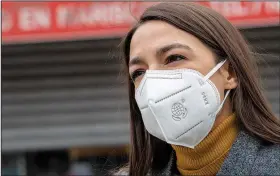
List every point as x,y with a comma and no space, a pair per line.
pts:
230,79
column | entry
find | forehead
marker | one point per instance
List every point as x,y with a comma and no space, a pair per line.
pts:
155,34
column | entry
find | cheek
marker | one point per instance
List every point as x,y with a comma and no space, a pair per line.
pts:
137,82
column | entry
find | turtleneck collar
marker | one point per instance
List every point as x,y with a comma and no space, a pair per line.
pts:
207,157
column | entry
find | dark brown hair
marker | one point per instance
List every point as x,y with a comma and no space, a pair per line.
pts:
249,103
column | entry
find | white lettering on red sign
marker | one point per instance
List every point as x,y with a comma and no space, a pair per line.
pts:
237,9
272,7
256,8
229,9
34,18
7,21
93,14
21,21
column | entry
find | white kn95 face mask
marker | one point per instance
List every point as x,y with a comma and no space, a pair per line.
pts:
179,106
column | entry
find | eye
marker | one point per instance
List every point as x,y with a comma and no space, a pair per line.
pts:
174,58
136,74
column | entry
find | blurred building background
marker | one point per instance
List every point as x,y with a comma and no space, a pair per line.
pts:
64,101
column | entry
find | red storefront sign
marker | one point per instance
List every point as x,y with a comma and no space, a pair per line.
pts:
40,21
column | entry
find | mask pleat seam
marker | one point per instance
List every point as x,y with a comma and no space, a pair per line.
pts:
189,129
173,94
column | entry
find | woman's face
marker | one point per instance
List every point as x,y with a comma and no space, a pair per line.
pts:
158,45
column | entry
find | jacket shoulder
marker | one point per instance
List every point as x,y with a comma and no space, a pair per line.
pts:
250,155
267,161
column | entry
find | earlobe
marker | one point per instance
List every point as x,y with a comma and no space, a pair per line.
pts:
231,83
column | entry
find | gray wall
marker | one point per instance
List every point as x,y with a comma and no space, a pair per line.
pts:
67,94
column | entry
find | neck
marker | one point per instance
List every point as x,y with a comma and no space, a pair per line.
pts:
225,112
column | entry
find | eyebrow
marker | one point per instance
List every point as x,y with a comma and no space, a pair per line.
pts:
167,48
137,60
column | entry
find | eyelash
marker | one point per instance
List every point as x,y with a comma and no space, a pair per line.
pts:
174,56
139,72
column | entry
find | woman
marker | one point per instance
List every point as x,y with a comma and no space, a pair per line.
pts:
196,105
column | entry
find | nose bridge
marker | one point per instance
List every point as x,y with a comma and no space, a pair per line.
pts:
157,66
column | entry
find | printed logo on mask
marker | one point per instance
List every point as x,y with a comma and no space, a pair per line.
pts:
178,111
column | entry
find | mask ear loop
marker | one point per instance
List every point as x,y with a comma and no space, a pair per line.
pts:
216,68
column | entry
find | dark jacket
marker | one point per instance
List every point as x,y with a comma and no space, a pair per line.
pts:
248,156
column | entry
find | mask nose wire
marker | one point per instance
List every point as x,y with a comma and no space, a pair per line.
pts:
152,68
216,68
